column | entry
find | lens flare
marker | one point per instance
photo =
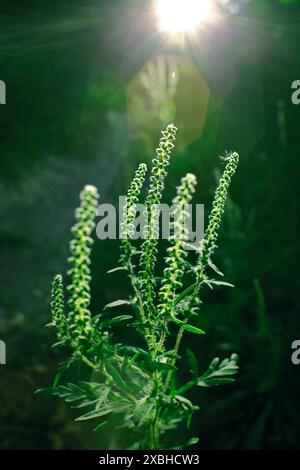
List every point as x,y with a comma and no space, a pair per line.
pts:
179,16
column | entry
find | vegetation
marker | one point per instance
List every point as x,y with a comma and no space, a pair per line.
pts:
138,384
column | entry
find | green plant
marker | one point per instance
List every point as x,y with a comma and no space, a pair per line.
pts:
139,385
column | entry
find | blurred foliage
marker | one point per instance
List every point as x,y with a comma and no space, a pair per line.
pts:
67,66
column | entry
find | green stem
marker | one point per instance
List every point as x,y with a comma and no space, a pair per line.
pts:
176,349
141,307
181,331
186,387
89,363
154,431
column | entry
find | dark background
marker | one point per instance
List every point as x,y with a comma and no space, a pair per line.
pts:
69,68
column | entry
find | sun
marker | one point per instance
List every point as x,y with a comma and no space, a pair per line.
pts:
179,16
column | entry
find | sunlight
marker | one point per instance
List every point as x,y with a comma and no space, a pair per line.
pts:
177,16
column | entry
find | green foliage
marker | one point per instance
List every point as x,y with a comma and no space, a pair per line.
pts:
137,387
218,373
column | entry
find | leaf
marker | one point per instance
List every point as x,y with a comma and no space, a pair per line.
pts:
104,411
217,382
46,391
102,398
75,389
136,252
219,373
186,292
91,387
191,442
171,354
100,426
84,403
117,303
61,391
211,282
186,326
117,319
57,378
214,268
116,376
143,410
119,268
185,403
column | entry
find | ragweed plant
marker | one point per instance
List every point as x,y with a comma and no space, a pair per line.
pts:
137,385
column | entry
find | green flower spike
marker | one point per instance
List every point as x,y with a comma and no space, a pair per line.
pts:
209,242
177,253
79,318
58,309
153,201
129,213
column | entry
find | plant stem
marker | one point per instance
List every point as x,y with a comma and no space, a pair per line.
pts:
186,387
176,349
154,431
89,363
141,307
